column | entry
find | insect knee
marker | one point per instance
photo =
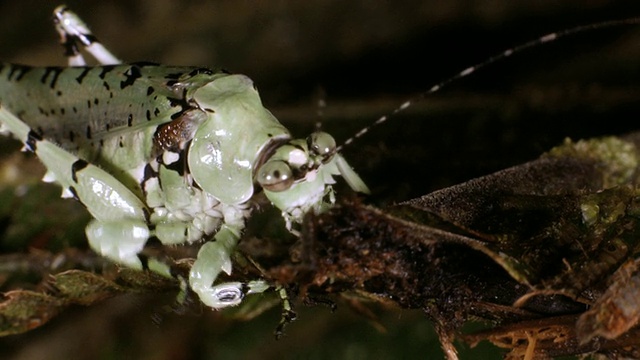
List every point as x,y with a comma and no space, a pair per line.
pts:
120,241
172,233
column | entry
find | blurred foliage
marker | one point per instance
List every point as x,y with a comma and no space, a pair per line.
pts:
545,240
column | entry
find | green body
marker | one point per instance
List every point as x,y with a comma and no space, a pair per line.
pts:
171,153
108,115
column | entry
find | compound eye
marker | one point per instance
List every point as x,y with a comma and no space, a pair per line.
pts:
321,143
275,176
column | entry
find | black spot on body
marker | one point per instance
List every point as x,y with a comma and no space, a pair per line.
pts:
131,75
54,78
89,38
198,71
153,241
24,70
76,167
144,261
70,46
19,71
150,90
177,114
32,140
147,215
88,131
105,70
72,136
182,103
179,166
148,115
73,192
96,101
106,85
130,120
82,75
149,173
12,71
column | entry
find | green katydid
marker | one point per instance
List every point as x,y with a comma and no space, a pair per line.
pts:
165,153
174,153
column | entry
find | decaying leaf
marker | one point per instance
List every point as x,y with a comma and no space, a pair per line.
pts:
24,310
532,244
617,310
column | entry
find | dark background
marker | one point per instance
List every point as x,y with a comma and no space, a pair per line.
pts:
364,58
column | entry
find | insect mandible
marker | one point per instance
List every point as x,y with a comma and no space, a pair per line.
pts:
165,153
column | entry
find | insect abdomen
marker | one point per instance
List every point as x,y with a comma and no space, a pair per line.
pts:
80,107
78,104
106,115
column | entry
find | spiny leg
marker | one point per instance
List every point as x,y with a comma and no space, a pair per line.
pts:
168,190
119,229
73,31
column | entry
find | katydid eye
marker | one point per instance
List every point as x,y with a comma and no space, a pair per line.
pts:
321,143
275,176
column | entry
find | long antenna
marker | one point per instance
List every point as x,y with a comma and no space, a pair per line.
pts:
500,56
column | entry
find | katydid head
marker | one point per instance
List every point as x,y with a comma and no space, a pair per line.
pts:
240,144
228,143
297,176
